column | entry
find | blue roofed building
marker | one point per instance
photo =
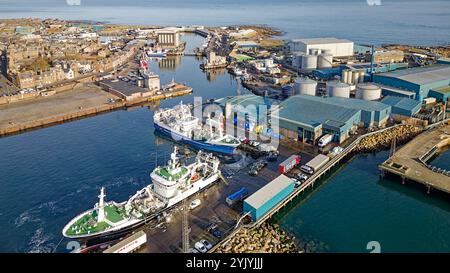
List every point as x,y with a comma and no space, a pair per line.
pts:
401,106
441,93
419,79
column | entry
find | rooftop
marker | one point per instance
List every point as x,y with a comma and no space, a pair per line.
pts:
267,192
445,89
401,102
303,109
318,41
421,75
348,103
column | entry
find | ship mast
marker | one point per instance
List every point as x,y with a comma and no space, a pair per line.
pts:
101,205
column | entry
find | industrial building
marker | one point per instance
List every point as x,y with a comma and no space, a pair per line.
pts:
306,119
300,119
333,46
266,198
246,45
168,38
419,80
402,107
441,93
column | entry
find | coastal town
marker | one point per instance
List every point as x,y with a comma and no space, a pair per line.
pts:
329,99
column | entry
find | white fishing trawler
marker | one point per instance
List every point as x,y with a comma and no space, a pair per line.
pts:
171,184
181,125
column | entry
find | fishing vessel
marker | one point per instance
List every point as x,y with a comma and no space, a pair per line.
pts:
156,52
171,184
181,125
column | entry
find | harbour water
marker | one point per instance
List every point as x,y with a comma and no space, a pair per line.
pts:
49,175
355,207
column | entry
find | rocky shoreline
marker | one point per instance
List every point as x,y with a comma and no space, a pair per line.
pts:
383,140
266,238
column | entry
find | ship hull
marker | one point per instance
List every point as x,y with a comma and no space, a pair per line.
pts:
137,223
199,145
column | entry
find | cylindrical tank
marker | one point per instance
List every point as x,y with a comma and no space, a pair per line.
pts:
325,60
314,51
368,91
344,76
305,86
309,62
338,89
349,77
355,75
361,76
297,60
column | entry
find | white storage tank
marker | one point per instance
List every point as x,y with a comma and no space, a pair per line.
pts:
361,76
338,89
368,91
325,60
305,86
309,62
349,77
344,76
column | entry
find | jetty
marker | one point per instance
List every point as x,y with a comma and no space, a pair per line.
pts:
410,163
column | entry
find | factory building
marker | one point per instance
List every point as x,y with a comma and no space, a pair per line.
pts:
246,45
168,38
419,80
402,107
300,119
335,47
441,93
266,198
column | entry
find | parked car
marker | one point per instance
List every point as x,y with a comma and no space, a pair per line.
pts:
302,177
297,183
214,230
195,203
272,156
257,167
200,247
207,244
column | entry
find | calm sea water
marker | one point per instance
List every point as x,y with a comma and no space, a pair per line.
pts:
395,21
355,207
49,175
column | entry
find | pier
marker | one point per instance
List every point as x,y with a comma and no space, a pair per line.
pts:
410,163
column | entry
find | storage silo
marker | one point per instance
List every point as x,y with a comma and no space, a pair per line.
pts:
368,91
344,76
355,75
305,86
338,89
349,77
361,74
309,62
325,60
314,51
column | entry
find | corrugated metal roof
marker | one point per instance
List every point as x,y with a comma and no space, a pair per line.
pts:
267,192
304,109
443,90
421,75
401,102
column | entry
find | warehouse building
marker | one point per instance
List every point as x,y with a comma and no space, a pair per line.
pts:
266,198
440,93
402,107
334,46
300,119
419,80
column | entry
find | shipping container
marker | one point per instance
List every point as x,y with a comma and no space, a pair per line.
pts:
237,196
266,198
317,162
289,164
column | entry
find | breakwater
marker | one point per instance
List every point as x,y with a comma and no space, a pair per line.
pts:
265,238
